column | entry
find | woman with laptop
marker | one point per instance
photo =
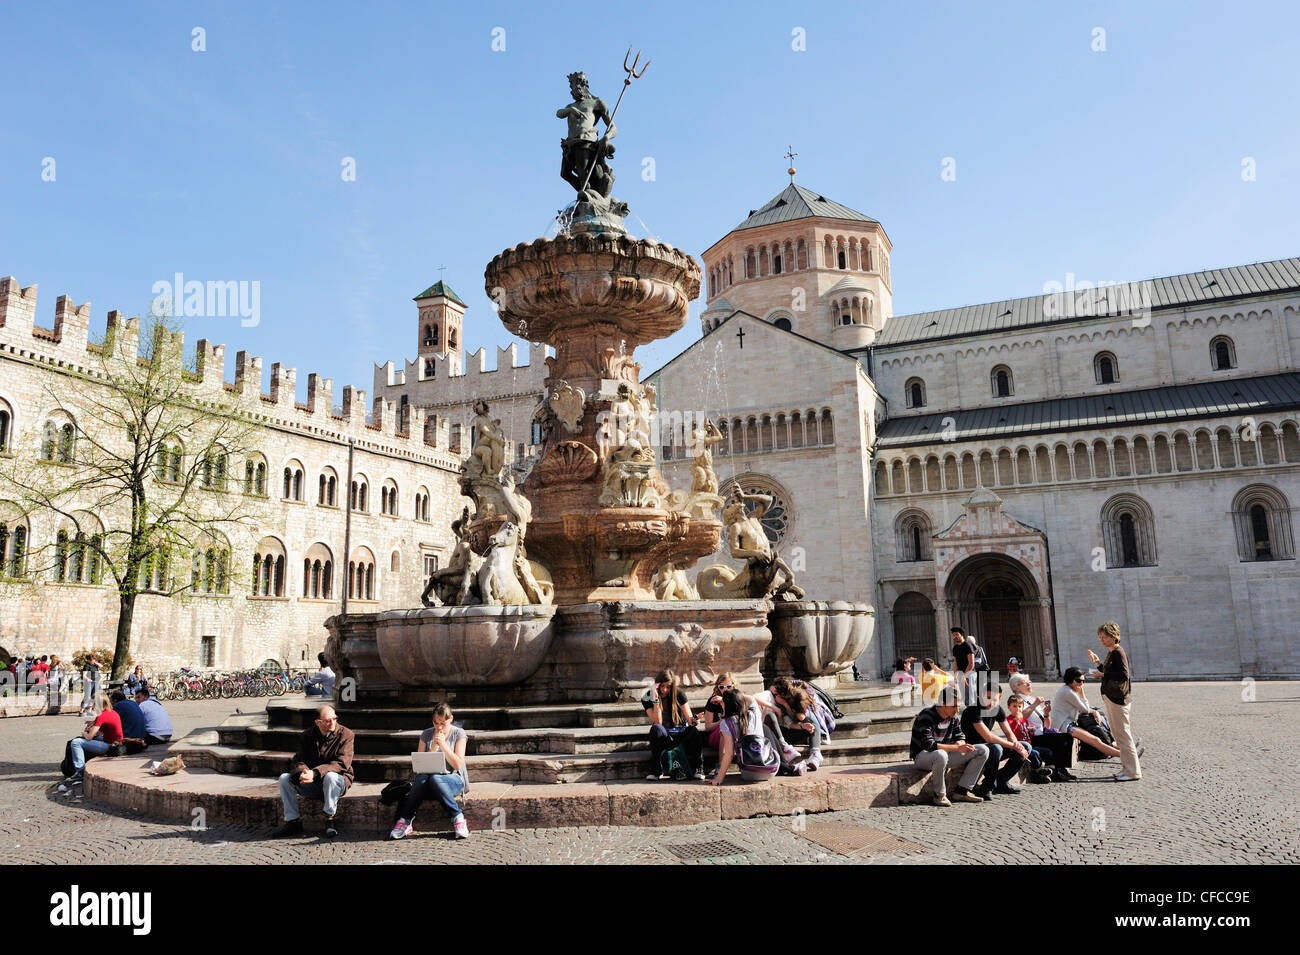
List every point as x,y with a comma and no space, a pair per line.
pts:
439,766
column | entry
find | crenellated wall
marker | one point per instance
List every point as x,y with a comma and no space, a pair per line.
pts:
405,450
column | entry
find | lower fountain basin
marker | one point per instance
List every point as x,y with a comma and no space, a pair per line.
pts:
821,637
464,646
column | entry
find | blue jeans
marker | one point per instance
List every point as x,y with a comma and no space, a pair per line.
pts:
82,747
444,787
1011,762
328,790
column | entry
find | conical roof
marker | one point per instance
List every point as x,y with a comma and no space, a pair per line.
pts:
796,202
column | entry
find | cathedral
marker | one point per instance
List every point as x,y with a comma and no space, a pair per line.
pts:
1025,469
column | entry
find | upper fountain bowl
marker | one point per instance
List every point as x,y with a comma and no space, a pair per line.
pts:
548,288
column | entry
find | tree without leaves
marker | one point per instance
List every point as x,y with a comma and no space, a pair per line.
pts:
140,479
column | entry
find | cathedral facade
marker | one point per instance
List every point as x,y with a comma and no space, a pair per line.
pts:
1025,469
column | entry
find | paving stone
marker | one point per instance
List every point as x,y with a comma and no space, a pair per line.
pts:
1210,795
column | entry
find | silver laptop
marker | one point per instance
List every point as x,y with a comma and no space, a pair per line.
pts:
435,762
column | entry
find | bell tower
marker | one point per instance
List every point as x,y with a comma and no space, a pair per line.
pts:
441,315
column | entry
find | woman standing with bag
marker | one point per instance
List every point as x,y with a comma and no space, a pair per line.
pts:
1116,676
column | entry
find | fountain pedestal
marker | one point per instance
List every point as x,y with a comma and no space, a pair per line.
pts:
603,518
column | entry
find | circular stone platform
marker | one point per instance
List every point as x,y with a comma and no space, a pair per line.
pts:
205,797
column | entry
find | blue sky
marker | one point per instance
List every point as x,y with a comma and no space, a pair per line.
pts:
226,164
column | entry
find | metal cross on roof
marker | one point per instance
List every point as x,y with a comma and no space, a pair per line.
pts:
790,154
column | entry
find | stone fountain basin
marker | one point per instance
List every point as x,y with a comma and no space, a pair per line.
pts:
464,646
822,637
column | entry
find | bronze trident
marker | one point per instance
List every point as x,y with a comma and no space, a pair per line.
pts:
632,74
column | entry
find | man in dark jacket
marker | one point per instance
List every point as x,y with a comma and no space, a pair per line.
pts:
321,769
938,742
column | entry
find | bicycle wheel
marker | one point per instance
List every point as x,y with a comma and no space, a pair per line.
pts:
228,689
277,687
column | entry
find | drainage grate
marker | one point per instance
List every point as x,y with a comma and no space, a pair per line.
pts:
714,849
852,839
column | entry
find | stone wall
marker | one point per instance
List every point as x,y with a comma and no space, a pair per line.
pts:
39,615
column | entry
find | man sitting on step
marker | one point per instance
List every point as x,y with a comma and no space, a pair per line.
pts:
938,743
321,769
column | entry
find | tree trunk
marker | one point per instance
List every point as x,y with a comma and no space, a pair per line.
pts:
122,650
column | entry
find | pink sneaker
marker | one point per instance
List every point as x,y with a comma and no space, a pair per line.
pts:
401,830
800,768
462,828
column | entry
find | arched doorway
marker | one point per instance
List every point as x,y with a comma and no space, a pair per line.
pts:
914,626
995,598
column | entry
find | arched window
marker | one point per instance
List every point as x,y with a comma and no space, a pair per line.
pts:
361,575
776,264
828,427
915,393
318,572
210,566
422,505
842,262
13,546
430,368
6,426
57,442
167,462
268,568
784,324
912,534
255,475
360,485
388,498
1262,518
1223,353
291,484
1128,532
1106,368
1000,379
212,473
154,576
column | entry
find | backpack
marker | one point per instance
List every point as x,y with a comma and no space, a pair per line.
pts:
981,661
756,757
395,792
1098,729
675,763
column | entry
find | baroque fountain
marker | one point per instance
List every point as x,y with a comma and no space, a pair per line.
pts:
575,584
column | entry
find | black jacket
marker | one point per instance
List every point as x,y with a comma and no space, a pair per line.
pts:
925,728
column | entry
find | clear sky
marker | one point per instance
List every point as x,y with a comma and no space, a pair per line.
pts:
226,164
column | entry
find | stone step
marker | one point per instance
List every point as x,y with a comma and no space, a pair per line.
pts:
252,801
526,767
290,713
576,740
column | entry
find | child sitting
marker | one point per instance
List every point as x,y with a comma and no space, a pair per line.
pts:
1039,758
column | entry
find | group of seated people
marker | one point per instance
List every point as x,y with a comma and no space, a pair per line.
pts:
124,726
991,741
764,734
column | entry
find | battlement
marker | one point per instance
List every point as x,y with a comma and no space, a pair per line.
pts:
382,427
443,384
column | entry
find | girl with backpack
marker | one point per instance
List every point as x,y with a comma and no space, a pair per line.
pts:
745,737
672,728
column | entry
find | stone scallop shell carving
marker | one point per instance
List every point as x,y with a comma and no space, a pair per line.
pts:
569,462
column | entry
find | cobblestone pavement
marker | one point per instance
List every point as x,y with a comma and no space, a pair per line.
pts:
1219,775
